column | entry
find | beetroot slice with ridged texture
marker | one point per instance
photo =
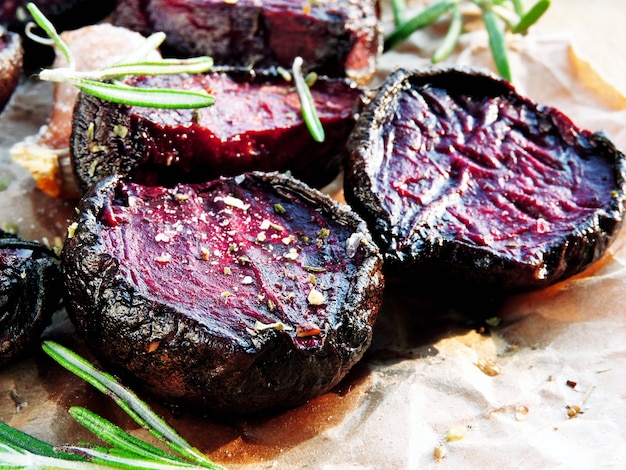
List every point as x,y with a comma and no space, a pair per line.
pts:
239,295
462,179
254,125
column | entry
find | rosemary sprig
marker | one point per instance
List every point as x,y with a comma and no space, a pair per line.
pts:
495,31
309,114
19,450
499,16
105,83
398,7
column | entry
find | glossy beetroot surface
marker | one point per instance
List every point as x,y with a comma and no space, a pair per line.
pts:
30,290
334,37
241,294
459,175
255,124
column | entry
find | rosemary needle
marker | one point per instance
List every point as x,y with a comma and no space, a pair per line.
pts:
148,97
427,16
308,105
498,17
495,31
138,410
19,450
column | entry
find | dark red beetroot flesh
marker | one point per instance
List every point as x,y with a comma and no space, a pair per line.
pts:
459,175
30,290
334,37
255,124
11,62
240,294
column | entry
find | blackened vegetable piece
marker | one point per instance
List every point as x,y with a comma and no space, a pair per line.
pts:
11,62
461,178
334,37
255,124
30,290
239,294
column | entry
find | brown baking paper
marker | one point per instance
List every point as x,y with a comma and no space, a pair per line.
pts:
435,383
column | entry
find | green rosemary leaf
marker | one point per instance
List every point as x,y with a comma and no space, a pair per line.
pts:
309,114
531,17
137,409
148,97
162,67
506,14
106,459
427,16
495,30
452,37
150,44
120,439
25,442
51,31
398,7
12,458
518,6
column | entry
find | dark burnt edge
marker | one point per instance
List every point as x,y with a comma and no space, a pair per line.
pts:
428,272
160,318
11,64
96,146
12,241
37,295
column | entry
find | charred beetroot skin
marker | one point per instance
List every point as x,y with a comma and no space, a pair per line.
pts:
254,125
459,175
30,290
240,294
11,62
334,37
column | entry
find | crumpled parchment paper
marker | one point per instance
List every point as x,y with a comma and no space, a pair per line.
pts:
496,394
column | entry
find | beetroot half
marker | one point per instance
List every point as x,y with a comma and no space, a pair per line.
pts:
461,178
254,125
334,37
237,295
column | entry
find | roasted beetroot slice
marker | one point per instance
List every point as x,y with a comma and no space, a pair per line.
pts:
236,295
335,37
30,291
461,178
11,63
254,125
